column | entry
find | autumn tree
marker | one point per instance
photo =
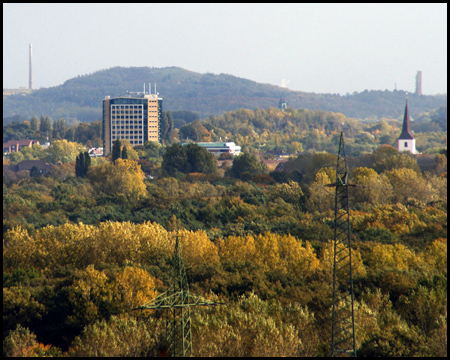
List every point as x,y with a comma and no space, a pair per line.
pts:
408,184
290,192
321,197
63,151
122,177
372,188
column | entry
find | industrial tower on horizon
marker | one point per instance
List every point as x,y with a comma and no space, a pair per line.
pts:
419,83
30,82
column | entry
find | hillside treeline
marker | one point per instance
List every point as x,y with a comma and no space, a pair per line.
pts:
292,131
206,94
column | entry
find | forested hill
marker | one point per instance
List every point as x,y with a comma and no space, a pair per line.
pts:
206,94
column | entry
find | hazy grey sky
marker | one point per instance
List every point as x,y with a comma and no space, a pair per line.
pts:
322,48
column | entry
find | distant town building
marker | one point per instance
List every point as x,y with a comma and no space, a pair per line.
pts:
279,154
406,141
282,104
133,118
15,145
95,152
419,83
218,148
28,165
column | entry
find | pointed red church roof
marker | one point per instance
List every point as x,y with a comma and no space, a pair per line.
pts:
406,130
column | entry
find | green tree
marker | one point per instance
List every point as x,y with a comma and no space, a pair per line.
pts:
188,159
87,162
116,153
79,165
199,160
195,131
246,166
166,126
16,157
46,125
63,151
35,123
59,128
174,159
83,161
124,153
34,171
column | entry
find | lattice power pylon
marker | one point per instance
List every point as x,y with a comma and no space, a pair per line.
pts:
178,301
343,320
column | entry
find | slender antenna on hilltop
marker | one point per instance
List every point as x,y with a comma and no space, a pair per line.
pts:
155,88
30,85
144,88
149,88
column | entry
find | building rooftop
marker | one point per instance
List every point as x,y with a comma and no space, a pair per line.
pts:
406,129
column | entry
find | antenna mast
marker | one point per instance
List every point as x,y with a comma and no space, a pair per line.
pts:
30,84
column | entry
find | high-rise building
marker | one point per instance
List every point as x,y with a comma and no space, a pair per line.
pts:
419,83
406,141
133,118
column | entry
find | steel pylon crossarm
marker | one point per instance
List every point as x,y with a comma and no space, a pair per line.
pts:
178,301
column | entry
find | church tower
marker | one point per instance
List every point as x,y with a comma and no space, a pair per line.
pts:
406,141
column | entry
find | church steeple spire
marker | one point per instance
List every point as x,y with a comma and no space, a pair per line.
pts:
406,130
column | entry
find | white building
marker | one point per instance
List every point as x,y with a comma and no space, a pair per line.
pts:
406,141
218,148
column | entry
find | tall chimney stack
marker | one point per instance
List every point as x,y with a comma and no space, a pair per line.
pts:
419,83
31,70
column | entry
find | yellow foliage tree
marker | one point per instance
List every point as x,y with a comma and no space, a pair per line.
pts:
238,249
271,252
18,248
375,190
196,248
124,177
321,199
408,184
290,193
436,256
134,287
327,258
392,257
396,218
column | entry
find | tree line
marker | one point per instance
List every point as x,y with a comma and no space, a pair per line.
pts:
88,242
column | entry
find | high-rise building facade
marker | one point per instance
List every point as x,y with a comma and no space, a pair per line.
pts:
133,118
